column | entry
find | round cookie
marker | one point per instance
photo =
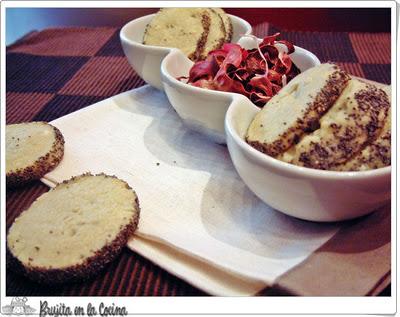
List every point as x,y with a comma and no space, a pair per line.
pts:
183,28
74,230
195,31
32,150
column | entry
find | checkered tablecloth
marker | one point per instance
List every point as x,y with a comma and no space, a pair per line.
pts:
57,71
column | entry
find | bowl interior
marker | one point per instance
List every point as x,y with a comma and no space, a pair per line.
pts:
241,115
134,30
304,59
176,65
240,27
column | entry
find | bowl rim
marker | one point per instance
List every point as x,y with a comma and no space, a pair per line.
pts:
126,39
123,36
289,168
193,89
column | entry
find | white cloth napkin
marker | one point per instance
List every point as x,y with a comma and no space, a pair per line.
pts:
192,200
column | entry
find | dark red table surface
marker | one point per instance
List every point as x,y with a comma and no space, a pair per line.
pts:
57,71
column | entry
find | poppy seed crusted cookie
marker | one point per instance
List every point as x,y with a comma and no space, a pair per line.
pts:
352,123
195,31
74,230
346,126
296,109
183,28
377,154
32,150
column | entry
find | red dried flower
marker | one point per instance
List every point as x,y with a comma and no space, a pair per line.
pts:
258,73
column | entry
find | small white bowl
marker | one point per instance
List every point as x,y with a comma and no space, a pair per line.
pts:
204,110
146,59
301,192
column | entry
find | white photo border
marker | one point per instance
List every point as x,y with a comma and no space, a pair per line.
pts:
216,305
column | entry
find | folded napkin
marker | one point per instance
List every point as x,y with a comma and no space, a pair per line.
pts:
198,219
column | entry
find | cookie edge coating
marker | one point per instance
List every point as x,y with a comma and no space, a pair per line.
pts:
228,26
92,265
203,53
201,43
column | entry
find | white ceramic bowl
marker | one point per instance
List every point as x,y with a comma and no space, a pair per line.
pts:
204,110
146,59
298,191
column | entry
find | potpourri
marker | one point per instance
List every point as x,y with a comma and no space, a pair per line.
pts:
257,73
